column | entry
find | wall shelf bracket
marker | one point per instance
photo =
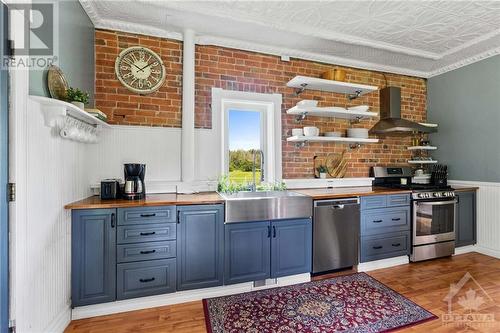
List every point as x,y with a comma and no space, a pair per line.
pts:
356,120
300,144
354,146
299,91
300,117
356,94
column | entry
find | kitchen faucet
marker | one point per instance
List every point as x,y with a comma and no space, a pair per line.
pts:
254,185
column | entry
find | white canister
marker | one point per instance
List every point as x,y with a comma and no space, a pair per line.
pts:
297,132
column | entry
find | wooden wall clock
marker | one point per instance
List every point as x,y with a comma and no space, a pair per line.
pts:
140,70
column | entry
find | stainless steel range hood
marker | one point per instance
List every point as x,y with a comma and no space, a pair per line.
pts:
390,116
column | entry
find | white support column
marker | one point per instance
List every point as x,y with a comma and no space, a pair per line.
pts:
188,152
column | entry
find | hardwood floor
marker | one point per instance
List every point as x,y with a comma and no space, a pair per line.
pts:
425,283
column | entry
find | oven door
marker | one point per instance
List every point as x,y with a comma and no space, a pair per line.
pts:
433,221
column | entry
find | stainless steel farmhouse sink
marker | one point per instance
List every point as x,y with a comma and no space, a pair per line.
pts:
262,206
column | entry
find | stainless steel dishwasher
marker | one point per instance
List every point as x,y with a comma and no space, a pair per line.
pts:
335,234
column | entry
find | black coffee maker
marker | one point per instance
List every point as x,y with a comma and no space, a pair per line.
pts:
134,188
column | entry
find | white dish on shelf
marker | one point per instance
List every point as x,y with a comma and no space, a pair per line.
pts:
359,108
311,131
333,134
359,133
307,103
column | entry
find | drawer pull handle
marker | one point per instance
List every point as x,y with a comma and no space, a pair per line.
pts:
147,280
396,244
377,247
148,233
148,215
377,221
396,219
148,252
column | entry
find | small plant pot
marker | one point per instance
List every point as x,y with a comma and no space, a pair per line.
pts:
79,104
322,175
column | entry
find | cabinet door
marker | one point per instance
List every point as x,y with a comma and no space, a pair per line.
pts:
93,274
247,251
200,246
465,227
291,247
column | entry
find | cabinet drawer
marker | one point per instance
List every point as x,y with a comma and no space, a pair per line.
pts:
387,246
145,251
145,233
142,215
371,202
145,278
385,220
398,200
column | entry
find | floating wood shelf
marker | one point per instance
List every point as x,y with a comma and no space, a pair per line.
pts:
352,89
329,139
422,148
54,109
422,162
335,112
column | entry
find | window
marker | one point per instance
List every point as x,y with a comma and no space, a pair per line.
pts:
245,142
248,123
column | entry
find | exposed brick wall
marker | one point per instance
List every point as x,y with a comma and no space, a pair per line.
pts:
247,71
162,108
253,72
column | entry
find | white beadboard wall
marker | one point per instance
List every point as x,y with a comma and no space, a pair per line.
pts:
488,216
159,148
57,173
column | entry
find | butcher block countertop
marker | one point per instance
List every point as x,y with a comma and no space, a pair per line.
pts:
343,192
163,199
464,188
166,199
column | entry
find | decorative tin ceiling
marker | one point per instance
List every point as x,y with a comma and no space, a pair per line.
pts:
420,38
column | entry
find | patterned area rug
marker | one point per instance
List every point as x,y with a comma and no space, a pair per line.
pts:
352,303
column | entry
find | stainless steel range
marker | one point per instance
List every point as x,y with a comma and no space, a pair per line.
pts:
433,212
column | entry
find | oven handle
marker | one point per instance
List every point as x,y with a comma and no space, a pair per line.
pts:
437,203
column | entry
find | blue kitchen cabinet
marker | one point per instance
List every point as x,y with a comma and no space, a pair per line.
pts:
291,247
385,227
465,225
200,246
247,251
267,249
93,271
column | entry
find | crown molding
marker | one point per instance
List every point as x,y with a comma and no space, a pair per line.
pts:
464,62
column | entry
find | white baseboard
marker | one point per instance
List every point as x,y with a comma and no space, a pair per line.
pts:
59,324
466,249
179,297
384,263
487,251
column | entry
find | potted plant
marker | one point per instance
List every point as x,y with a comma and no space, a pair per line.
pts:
77,97
322,170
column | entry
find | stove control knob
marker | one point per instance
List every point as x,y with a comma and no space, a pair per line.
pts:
421,195
437,195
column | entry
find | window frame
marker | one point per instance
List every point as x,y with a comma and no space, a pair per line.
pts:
270,107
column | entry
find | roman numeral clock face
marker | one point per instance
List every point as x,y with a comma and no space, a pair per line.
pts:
140,70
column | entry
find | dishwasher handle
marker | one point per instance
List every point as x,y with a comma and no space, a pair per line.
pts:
337,203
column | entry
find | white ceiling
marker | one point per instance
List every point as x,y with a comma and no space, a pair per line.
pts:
420,38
